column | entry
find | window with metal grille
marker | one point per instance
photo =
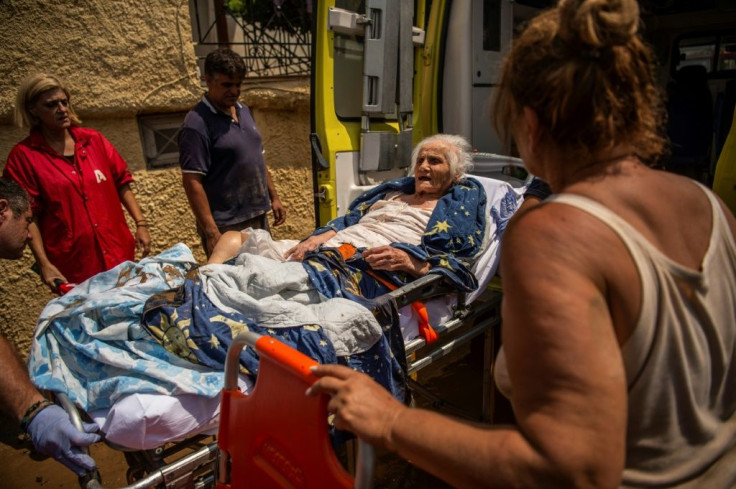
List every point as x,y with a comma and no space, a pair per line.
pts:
159,138
273,36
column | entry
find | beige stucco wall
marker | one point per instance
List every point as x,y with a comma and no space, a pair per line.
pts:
121,59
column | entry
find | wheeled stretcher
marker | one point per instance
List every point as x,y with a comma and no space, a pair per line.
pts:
156,425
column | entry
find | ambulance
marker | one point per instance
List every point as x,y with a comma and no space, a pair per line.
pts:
387,73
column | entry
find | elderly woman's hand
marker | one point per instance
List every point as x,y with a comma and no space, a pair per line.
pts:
359,404
394,260
311,243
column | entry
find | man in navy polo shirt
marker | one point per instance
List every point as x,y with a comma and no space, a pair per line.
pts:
221,157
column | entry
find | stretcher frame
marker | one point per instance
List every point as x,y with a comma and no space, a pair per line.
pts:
198,469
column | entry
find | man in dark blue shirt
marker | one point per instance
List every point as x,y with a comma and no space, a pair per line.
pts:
221,157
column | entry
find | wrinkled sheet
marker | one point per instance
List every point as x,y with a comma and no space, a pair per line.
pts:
276,299
275,294
89,344
146,421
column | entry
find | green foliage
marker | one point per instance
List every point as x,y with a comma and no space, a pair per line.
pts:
286,15
235,6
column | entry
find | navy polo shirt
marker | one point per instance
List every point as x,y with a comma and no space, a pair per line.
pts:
229,155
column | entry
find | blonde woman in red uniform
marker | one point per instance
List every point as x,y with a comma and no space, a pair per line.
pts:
77,182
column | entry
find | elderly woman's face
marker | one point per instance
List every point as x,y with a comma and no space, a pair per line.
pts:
432,174
52,109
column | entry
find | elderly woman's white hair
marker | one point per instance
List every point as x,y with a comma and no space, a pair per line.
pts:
459,156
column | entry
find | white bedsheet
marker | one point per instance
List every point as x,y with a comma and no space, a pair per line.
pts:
144,421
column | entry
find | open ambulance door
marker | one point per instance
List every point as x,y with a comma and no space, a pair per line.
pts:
386,74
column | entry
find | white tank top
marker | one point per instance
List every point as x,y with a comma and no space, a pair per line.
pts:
680,361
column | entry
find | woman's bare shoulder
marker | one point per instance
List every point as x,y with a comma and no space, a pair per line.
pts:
547,221
555,243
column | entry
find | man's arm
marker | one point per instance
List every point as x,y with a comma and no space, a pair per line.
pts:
279,211
48,425
48,271
17,393
142,238
201,207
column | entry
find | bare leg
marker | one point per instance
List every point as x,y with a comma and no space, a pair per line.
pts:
227,246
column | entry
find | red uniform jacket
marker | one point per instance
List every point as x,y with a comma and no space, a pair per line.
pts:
76,204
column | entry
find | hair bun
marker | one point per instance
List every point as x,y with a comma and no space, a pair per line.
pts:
598,23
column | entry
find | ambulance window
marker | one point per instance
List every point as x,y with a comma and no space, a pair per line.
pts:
696,51
727,54
716,52
348,76
348,80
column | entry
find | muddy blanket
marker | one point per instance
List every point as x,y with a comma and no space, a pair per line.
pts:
90,344
199,320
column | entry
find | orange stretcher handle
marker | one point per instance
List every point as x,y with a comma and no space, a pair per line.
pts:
276,437
425,329
294,360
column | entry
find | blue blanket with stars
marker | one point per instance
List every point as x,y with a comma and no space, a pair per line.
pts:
92,345
456,233
150,328
191,325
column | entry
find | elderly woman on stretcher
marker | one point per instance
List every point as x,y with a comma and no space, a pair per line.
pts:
327,295
327,306
433,220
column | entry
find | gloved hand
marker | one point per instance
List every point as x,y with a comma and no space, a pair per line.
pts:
52,433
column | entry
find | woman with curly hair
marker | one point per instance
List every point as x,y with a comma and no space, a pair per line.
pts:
619,313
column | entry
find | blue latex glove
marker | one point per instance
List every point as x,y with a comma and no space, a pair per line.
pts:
53,434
